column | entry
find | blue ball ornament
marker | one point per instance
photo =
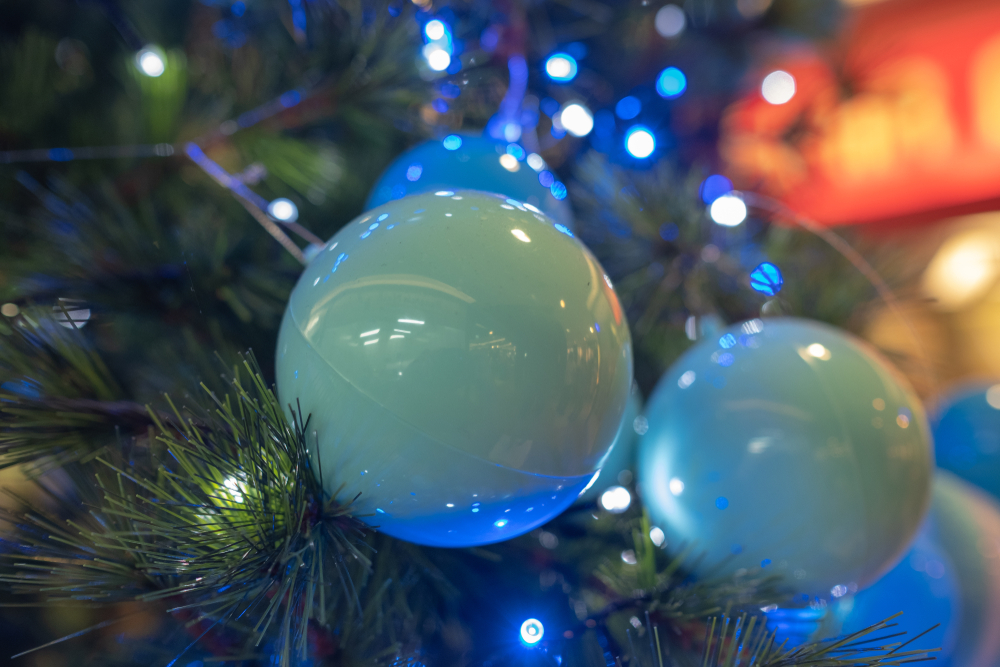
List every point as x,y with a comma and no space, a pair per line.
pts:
950,576
787,445
464,364
967,436
462,162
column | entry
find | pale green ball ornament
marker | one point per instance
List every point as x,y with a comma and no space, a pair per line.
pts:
787,445
465,365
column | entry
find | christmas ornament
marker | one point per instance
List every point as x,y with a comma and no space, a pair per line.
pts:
950,576
474,163
789,445
967,436
619,466
464,363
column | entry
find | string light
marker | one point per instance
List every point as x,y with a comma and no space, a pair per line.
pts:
561,67
671,82
577,119
283,210
640,142
437,58
532,632
151,61
434,30
728,210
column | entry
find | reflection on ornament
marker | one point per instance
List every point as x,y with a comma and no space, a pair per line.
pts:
464,364
474,163
765,453
964,269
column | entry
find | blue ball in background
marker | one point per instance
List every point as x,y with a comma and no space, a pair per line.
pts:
950,576
966,430
462,162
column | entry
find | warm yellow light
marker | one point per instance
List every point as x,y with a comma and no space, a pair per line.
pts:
963,270
509,162
520,236
818,351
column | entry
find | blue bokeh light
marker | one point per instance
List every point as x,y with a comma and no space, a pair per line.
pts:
671,82
766,279
561,67
558,190
628,107
640,142
532,632
452,142
714,187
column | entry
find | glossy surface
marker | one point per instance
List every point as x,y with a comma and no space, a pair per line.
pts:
951,576
967,436
474,165
619,466
465,364
791,445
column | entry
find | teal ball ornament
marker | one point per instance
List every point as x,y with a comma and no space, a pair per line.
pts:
787,445
461,162
464,364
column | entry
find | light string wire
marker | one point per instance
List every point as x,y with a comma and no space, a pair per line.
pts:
251,201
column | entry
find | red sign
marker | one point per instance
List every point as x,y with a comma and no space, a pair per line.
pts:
899,121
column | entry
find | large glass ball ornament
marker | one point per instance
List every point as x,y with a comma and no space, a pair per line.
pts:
788,445
966,429
474,163
618,467
950,576
465,366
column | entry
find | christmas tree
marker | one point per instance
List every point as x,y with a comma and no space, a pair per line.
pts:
183,185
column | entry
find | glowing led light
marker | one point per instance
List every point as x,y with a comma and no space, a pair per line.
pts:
670,21
640,142
818,351
509,162
656,536
150,61
728,210
520,235
577,119
671,82
452,143
434,30
676,486
532,631
437,57
561,67
778,87
616,499
283,210
628,107
536,162
714,187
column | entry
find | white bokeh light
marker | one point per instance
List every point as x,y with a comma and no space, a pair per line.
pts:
434,29
778,87
640,142
283,210
728,210
656,535
577,119
616,499
150,61
437,58
670,21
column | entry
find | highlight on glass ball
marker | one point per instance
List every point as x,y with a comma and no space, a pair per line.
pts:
789,446
460,162
464,362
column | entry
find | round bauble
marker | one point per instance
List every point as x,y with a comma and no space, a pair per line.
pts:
950,576
789,445
473,163
619,466
464,363
966,430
